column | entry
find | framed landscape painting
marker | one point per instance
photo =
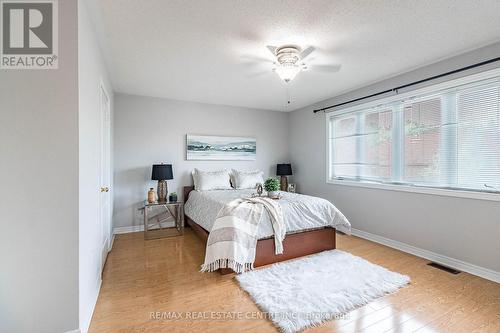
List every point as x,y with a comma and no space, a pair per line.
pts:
210,147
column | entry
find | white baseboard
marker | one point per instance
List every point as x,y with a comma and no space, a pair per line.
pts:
432,256
74,331
84,327
112,242
128,229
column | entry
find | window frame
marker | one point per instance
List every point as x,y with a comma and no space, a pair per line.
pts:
432,89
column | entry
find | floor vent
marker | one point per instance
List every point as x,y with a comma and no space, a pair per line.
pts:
443,268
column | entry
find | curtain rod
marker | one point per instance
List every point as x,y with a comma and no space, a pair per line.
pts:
410,84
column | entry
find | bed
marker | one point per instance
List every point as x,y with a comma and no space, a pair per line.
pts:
311,231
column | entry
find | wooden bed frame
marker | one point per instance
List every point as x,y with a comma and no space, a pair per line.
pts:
295,244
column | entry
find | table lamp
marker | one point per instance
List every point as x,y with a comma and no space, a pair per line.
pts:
162,172
284,170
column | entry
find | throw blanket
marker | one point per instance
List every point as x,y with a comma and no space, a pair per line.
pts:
233,238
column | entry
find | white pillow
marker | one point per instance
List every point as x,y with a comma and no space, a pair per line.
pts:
211,180
247,179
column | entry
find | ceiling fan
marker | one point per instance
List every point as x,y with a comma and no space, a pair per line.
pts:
289,61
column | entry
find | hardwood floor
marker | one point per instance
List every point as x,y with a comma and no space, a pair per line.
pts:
145,277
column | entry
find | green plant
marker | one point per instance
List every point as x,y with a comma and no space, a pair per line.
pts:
271,184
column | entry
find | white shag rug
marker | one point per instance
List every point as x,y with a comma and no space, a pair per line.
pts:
305,292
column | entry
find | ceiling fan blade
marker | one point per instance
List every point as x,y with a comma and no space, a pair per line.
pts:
326,68
306,52
272,49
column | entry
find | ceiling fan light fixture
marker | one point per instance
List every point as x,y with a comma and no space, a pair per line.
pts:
289,61
287,71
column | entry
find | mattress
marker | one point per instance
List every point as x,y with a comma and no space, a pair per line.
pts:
300,212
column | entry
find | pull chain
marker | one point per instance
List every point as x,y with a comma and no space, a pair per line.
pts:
288,98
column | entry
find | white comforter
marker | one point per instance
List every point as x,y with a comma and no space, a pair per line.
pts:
300,212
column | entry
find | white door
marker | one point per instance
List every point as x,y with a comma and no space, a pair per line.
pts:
105,175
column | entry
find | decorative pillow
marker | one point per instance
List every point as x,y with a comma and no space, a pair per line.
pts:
247,179
211,180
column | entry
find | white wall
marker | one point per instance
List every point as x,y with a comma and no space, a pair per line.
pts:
463,229
152,130
39,191
91,72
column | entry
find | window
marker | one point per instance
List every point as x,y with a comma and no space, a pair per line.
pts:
478,135
422,136
361,145
446,136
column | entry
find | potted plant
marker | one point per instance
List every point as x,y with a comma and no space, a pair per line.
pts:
172,197
272,185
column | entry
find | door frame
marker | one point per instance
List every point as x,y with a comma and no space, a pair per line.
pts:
103,91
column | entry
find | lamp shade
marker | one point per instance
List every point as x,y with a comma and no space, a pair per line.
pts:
284,169
162,172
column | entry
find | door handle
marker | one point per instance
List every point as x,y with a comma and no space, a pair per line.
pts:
104,189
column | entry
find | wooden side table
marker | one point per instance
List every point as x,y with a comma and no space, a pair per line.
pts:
163,219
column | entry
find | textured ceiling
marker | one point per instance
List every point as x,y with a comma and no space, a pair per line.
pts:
203,50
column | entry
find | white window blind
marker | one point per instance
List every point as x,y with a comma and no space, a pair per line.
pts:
478,135
443,139
361,145
422,126
344,147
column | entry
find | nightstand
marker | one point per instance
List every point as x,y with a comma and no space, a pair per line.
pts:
163,219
